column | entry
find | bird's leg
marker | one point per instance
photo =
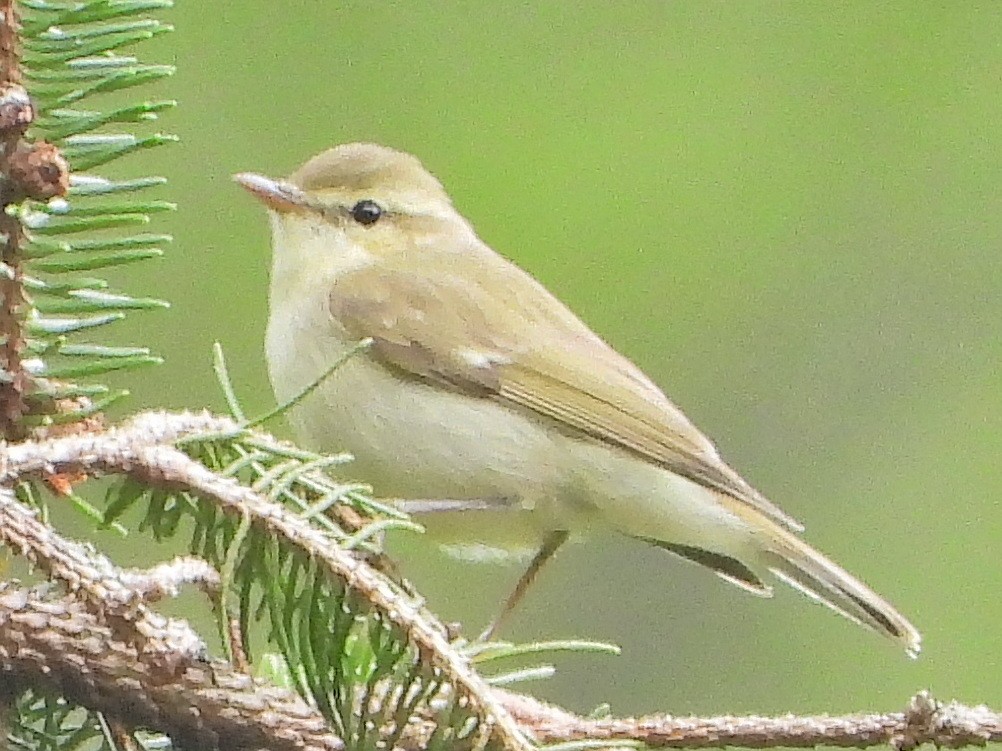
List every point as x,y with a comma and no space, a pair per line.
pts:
418,506
431,506
551,544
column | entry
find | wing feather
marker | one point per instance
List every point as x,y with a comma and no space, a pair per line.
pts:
585,388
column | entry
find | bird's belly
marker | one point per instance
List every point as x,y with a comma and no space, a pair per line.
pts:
415,441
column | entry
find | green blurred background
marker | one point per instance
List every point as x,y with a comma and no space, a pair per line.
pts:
788,214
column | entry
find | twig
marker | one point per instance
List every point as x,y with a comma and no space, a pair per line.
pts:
35,170
949,725
120,592
12,301
143,450
57,645
120,596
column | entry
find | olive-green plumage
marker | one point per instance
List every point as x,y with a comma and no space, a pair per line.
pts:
480,386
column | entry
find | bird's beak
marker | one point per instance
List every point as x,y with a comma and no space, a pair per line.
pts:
277,195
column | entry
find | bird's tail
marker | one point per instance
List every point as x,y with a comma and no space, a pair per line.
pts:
766,547
804,568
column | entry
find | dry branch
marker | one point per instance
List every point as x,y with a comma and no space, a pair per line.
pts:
143,449
946,725
82,569
57,645
65,646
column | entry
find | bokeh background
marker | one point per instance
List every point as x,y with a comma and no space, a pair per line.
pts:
788,214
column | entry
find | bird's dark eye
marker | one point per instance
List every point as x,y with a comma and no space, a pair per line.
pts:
366,212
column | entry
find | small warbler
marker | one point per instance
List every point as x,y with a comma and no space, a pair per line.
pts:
481,392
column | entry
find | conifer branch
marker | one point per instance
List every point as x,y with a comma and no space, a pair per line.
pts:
58,645
27,171
925,720
15,382
55,58
144,448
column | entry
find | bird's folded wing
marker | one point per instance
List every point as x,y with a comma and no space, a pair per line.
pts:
585,387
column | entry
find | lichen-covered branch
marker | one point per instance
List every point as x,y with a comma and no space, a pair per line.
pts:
143,450
945,725
123,593
58,645
71,647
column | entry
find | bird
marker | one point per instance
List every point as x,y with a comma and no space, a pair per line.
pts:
483,399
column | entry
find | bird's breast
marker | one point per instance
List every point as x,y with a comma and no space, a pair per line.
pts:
412,440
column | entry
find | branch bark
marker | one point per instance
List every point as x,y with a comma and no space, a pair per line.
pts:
12,299
56,645
143,449
65,646
926,720
27,170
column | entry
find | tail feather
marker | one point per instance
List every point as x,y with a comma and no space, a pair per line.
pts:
807,570
790,559
765,546
729,569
